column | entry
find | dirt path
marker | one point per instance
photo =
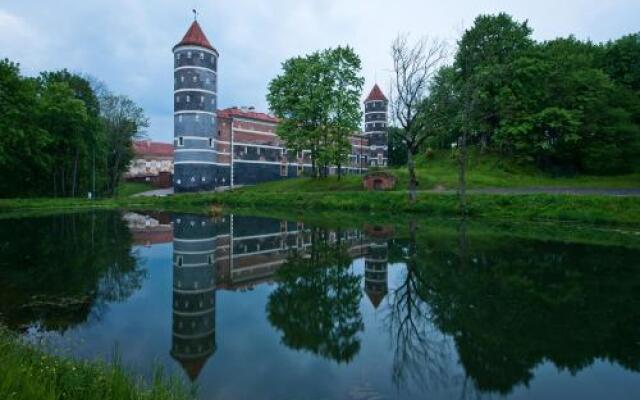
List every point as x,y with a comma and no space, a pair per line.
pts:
552,190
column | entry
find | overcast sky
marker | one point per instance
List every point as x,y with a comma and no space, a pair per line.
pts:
127,43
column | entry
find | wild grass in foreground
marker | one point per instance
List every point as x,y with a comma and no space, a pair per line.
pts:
28,373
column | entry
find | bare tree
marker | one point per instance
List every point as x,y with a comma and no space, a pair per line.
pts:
414,65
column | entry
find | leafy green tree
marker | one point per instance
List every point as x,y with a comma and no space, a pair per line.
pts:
24,159
621,61
65,118
317,98
124,121
483,62
566,105
61,137
397,148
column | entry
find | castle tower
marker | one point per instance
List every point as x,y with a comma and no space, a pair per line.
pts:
195,102
375,126
194,295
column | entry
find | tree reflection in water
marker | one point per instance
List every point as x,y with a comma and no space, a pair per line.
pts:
420,351
58,271
511,305
316,305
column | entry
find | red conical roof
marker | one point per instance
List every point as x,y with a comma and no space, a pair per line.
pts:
376,94
195,37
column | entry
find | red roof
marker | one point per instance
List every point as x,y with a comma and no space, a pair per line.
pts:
195,37
376,94
249,114
149,148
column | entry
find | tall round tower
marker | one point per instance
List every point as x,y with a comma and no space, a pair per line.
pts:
375,126
195,102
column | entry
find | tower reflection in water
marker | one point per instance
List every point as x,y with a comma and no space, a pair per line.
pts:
236,253
376,284
194,292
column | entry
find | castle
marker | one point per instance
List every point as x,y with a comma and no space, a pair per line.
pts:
239,146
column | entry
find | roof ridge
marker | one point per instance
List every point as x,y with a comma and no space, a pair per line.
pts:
196,37
376,94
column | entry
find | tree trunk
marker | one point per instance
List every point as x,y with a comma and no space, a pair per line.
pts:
313,163
62,188
413,181
114,172
462,160
74,183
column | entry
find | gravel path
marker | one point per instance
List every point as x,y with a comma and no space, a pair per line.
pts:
552,190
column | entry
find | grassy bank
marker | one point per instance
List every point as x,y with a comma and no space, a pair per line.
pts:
597,210
28,373
584,209
485,171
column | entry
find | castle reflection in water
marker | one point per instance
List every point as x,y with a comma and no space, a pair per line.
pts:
236,253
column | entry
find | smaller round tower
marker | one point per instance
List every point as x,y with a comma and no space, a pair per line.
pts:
376,107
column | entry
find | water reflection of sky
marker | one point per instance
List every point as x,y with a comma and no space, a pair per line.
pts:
251,360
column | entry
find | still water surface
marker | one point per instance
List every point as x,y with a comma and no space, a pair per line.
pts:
252,308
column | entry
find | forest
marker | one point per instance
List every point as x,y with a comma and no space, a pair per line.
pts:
565,105
63,134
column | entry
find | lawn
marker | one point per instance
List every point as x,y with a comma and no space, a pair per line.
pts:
128,189
441,172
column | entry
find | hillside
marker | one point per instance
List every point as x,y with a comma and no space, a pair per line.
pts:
441,172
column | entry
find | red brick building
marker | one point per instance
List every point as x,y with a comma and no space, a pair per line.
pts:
152,162
259,155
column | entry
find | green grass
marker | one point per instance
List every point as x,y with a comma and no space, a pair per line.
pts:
29,373
594,210
128,189
346,194
484,171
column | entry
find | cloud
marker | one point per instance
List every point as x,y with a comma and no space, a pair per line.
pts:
127,43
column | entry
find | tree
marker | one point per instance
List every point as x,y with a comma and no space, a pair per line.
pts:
124,121
483,62
621,61
53,137
90,136
65,119
24,159
397,148
317,99
413,68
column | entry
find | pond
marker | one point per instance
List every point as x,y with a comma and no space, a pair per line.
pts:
252,307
